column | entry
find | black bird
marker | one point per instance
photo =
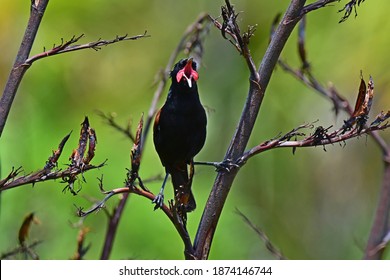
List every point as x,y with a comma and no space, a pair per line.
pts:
179,133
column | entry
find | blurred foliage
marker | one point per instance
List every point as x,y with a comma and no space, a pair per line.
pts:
312,205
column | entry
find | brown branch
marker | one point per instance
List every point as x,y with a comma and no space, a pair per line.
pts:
112,227
114,218
79,163
22,62
380,247
258,84
36,13
69,46
356,124
320,137
101,204
42,175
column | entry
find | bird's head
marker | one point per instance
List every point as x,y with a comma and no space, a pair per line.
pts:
185,72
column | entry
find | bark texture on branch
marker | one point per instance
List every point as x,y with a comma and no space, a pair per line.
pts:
257,87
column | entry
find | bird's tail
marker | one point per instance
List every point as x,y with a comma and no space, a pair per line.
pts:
182,187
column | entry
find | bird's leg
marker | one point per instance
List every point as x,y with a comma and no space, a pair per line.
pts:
225,165
159,199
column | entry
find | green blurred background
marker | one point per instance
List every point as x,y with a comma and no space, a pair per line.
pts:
312,205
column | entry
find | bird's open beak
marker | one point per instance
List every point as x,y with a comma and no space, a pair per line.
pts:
188,73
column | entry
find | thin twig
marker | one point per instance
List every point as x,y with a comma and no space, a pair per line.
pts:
320,137
69,46
21,249
110,120
268,244
13,174
316,5
347,9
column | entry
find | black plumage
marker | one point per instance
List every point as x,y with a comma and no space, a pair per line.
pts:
180,132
